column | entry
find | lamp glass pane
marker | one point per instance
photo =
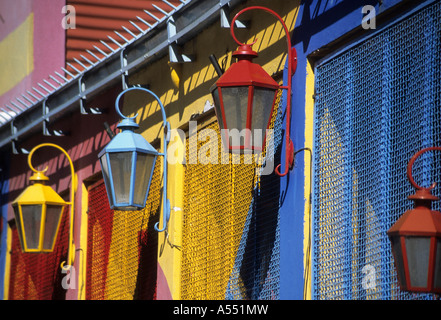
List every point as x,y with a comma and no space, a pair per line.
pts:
121,166
31,224
417,249
235,101
398,258
437,276
262,106
235,106
53,215
217,108
215,94
19,226
144,166
105,170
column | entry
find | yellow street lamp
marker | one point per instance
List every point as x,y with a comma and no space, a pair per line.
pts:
38,211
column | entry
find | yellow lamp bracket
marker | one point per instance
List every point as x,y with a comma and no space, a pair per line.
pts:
39,176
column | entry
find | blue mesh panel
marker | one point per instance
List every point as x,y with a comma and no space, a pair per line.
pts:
256,271
377,103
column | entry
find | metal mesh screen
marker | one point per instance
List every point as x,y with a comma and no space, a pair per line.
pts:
122,247
377,103
230,246
38,276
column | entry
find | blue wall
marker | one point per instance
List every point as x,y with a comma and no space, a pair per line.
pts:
318,23
4,187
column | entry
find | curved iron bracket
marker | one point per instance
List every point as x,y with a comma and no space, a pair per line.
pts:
421,193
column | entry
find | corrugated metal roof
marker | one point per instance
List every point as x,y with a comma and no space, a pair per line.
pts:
96,20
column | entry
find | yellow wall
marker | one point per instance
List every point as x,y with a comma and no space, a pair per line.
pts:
8,262
184,91
169,244
197,77
81,276
17,55
309,115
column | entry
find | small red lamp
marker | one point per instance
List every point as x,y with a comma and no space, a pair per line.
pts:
416,240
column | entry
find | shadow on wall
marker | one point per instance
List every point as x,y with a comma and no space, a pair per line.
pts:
196,78
256,271
147,261
262,237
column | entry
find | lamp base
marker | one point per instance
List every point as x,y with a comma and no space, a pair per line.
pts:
293,60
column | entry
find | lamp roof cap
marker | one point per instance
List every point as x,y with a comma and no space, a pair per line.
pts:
245,52
39,176
127,141
39,193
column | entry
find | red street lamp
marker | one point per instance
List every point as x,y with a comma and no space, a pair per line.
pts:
416,240
244,98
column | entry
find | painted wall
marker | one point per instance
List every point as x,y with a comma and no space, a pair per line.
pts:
32,45
96,19
191,96
85,140
318,25
27,29
4,187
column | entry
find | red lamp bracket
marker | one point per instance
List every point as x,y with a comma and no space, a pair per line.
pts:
293,60
290,154
421,193
292,66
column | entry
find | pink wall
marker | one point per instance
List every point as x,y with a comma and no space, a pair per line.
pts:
85,139
49,39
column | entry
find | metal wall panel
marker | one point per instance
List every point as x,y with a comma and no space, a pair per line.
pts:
122,247
377,103
231,238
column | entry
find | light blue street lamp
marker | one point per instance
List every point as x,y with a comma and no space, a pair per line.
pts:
128,161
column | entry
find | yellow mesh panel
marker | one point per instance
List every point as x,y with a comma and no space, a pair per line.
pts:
217,199
129,247
97,277
122,248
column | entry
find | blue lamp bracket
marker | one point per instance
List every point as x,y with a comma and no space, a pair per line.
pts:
129,123
168,210
167,132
